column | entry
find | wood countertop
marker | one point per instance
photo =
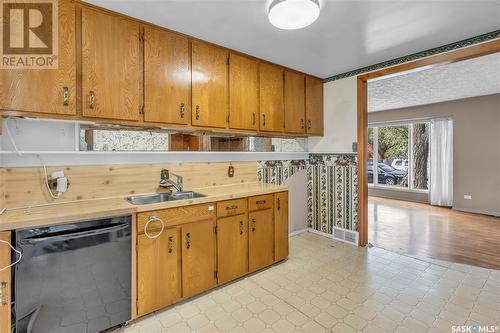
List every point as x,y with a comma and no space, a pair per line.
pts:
59,213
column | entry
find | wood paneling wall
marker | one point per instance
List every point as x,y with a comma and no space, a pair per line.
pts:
26,186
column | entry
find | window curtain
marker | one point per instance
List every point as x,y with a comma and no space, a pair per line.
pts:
441,168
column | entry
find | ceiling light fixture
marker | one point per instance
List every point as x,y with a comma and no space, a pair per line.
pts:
293,14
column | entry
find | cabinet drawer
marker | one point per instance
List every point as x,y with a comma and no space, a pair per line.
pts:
174,216
260,202
231,207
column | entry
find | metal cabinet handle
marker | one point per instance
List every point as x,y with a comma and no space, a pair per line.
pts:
309,124
153,218
231,207
302,123
241,228
170,244
254,224
197,113
253,118
65,96
263,120
188,240
3,293
91,99
260,202
278,203
181,110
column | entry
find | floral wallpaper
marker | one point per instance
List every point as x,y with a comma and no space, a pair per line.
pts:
332,188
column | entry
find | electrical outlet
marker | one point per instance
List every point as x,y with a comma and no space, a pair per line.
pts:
467,197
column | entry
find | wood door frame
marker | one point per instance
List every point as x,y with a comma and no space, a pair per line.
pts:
465,53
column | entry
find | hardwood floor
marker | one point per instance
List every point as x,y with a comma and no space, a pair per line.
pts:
435,232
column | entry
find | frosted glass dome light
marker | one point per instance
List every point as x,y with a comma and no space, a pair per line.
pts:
293,14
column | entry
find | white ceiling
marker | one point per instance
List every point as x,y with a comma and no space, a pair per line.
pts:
349,34
469,78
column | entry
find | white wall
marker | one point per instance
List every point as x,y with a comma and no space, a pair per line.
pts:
297,201
340,118
30,134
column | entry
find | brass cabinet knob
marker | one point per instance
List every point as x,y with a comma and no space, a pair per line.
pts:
91,99
65,96
170,244
181,110
197,113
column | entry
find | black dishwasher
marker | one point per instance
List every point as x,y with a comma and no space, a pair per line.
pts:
74,277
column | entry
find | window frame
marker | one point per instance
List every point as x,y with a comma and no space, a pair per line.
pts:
410,123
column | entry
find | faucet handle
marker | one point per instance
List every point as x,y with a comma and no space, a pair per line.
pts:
165,174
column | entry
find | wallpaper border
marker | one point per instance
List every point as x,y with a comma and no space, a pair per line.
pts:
422,54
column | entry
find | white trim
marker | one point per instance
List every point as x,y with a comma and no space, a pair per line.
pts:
70,158
298,232
321,233
394,188
476,211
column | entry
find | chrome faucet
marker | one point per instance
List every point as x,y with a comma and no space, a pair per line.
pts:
166,182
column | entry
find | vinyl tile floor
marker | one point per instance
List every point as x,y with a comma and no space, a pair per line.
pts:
330,286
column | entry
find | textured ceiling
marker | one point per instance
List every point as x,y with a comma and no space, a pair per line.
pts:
348,34
469,78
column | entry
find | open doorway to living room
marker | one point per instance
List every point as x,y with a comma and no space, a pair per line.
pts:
433,161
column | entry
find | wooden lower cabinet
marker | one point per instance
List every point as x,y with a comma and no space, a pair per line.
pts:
158,270
205,245
232,247
198,257
280,226
5,297
260,239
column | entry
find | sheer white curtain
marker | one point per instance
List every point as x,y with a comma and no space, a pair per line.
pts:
441,173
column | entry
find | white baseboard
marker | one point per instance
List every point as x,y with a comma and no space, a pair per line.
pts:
298,232
477,211
321,233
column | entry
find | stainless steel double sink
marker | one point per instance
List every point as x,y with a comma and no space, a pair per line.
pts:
162,197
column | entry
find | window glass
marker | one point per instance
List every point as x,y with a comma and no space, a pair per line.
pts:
370,155
393,147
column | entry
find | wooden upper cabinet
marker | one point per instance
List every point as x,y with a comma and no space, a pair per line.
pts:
271,98
314,106
46,90
167,77
295,107
111,66
243,92
209,85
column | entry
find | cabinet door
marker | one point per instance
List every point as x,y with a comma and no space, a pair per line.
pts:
167,77
243,92
280,226
111,67
5,297
260,239
46,90
158,270
198,257
232,247
314,105
271,98
209,85
295,107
